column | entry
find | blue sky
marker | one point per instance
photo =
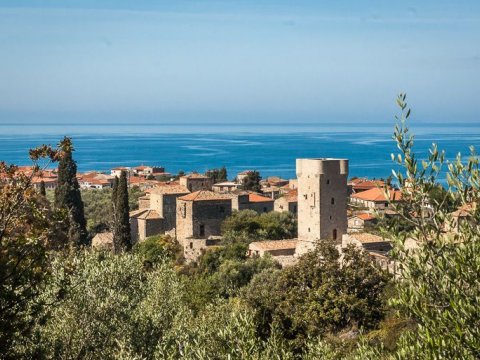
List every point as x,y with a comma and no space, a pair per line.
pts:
238,61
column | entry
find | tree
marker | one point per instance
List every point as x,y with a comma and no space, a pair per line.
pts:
438,283
26,235
248,225
218,175
323,292
251,182
69,199
42,190
122,239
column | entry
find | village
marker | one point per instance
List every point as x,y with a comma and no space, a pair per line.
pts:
192,207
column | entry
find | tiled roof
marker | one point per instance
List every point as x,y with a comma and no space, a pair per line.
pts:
292,195
145,214
362,183
205,195
169,188
377,194
367,238
273,244
195,175
365,216
253,197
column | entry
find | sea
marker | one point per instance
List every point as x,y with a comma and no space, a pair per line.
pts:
270,149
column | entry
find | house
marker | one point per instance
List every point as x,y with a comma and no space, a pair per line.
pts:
117,171
272,247
375,198
199,216
142,183
276,181
103,241
94,180
50,182
145,223
287,202
252,201
143,170
281,250
195,182
376,246
357,222
272,192
226,187
157,211
357,185
242,175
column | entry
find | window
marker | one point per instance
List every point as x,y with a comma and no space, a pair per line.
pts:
202,230
191,245
308,229
330,217
328,181
334,235
184,210
222,209
332,201
264,209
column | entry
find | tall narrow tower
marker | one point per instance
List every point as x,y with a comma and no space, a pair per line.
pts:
322,201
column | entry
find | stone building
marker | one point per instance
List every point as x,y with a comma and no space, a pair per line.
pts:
145,223
226,187
200,214
199,217
357,222
252,201
157,211
287,202
322,201
195,182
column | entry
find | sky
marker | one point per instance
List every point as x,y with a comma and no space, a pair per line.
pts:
248,61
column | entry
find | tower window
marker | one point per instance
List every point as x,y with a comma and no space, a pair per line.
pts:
332,201
308,229
328,181
202,230
334,235
191,245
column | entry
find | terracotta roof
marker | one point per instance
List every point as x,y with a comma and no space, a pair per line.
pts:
377,194
367,238
292,195
141,167
273,244
363,184
145,214
195,175
254,197
365,216
169,188
205,195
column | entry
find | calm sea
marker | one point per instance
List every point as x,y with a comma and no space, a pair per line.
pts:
270,149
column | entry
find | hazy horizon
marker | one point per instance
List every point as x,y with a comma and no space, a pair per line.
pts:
251,62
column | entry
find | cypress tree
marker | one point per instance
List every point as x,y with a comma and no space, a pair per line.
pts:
69,198
121,229
43,192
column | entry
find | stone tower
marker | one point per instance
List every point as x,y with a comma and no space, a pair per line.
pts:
322,201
